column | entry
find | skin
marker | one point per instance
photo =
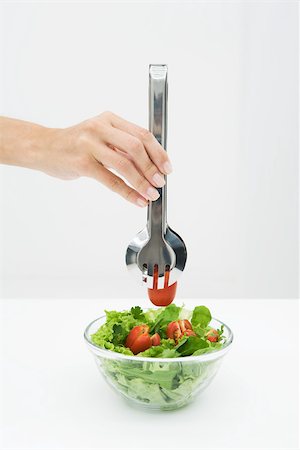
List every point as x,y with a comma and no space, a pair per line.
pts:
92,148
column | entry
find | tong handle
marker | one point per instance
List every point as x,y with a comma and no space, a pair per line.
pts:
158,92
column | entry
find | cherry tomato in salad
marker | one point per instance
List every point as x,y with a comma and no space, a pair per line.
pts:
212,335
174,330
179,328
189,333
142,343
155,339
139,339
164,296
135,333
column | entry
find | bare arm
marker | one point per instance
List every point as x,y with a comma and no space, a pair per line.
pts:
90,149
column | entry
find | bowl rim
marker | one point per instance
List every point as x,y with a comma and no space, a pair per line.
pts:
199,358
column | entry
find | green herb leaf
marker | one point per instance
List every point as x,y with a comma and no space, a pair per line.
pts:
137,312
201,316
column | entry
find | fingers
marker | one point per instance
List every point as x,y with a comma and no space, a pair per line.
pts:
132,151
115,184
135,148
125,167
155,151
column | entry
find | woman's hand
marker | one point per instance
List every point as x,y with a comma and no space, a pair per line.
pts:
92,148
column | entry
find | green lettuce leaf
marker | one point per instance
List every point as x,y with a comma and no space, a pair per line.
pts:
201,316
162,386
191,345
113,333
166,315
166,349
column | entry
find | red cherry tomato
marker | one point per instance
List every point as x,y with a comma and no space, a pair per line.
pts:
135,333
173,330
162,297
212,335
179,328
189,333
139,339
155,339
142,343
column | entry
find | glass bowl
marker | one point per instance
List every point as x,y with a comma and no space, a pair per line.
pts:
158,383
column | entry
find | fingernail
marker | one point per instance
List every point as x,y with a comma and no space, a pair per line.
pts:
142,203
167,167
158,180
152,193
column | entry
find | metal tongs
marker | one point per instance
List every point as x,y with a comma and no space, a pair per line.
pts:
157,252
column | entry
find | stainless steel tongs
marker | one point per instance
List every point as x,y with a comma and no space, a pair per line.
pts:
157,252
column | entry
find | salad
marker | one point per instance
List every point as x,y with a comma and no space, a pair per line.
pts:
168,333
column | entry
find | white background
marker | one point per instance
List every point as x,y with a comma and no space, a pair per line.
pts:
55,398
232,139
233,74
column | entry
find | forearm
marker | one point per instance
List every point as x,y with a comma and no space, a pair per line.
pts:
91,148
21,142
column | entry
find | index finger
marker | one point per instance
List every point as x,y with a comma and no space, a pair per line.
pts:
155,151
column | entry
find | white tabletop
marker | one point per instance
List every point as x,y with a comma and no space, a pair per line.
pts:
54,397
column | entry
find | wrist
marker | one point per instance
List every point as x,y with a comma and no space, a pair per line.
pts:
38,147
23,143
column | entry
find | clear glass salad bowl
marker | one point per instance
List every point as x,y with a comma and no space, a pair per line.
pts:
158,383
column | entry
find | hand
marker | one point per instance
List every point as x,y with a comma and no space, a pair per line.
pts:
93,148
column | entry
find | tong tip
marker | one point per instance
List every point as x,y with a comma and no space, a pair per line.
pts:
158,70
